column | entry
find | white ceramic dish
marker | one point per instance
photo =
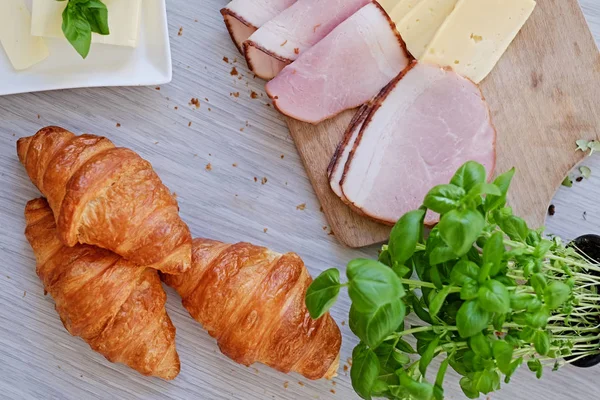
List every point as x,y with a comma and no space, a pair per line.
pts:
148,64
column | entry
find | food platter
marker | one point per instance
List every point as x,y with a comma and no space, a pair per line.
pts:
142,127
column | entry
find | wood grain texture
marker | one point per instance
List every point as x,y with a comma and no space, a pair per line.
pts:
541,102
40,360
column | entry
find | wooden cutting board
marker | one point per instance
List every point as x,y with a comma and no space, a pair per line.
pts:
544,95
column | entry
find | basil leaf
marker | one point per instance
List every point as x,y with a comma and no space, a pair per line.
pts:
521,301
468,388
484,188
556,294
372,284
444,198
379,388
494,297
460,229
486,381
541,342
404,347
464,271
513,367
97,16
417,390
503,353
401,358
438,301
502,182
439,380
472,319
428,355
405,235
385,354
468,175
498,321
383,322
493,252
470,290
421,313
538,283
480,345
365,370
539,319
441,254
323,292
77,29
358,322
514,227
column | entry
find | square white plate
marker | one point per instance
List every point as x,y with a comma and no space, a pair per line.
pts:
147,64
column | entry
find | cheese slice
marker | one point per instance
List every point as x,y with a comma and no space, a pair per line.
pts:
123,20
420,25
388,5
402,8
22,49
476,35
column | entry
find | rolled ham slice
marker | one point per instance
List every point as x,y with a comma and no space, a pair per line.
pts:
244,17
344,70
425,125
281,40
342,153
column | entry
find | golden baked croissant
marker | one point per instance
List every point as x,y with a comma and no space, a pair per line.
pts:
107,196
116,307
252,301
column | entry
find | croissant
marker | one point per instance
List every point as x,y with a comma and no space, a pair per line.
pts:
116,307
252,301
107,196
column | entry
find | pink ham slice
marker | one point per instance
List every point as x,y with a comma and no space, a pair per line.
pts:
344,70
281,40
342,153
244,17
425,125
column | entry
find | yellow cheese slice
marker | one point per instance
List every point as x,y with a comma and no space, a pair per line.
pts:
476,35
402,8
388,5
421,23
123,21
23,50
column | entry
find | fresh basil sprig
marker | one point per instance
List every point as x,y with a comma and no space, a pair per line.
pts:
491,294
80,19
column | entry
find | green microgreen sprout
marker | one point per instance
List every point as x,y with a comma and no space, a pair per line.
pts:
488,292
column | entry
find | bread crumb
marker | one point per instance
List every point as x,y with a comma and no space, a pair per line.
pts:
300,383
209,167
118,125
286,384
345,368
176,108
255,179
332,391
265,230
180,33
195,102
284,43
333,383
324,227
234,165
234,71
157,88
156,142
268,105
24,293
38,116
209,109
195,20
301,207
225,59
296,50
241,129
282,156
206,99
263,180
190,123
343,323
349,359
253,95
236,94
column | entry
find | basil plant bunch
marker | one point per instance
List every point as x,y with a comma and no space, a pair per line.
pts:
489,293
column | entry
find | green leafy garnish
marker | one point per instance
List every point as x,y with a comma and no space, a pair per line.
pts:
586,172
80,19
489,293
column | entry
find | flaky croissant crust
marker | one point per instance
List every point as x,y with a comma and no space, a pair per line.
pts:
107,196
118,308
252,301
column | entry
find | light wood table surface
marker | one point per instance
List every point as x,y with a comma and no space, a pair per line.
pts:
40,360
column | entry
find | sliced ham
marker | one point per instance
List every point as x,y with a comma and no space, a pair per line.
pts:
244,17
344,70
425,125
281,40
342,153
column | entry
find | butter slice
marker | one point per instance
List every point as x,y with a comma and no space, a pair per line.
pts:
402,8
22,49
476,35
420,25
123,20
